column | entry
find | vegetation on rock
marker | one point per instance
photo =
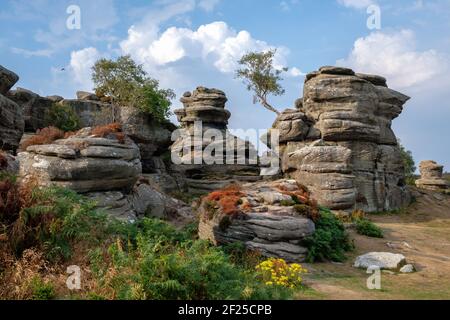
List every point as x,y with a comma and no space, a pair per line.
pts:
228,199
44,136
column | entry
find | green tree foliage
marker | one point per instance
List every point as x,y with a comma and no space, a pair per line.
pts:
62,117
261,77
127,84
408,163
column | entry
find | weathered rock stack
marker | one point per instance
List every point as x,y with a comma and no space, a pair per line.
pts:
106,169
431,176
210,157
83,163
339,142
11,114
262,216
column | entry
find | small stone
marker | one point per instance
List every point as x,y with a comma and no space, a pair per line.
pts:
409,268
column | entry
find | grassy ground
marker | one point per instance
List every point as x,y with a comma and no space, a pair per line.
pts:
421,233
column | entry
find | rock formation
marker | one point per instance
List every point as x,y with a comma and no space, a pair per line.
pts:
265,219
339,142
11,114
83,163
34,108
211,157
431,176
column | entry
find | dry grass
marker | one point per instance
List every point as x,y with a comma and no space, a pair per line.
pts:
302,197
43,136
114,129
228,199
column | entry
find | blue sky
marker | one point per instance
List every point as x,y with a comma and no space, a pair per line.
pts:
187,43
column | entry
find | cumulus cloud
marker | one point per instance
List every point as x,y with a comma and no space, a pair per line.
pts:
215,43
356,4
81,63
395,56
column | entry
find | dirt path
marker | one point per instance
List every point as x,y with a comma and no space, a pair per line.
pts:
420,232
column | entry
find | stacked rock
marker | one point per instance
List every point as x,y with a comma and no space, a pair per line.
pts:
83,163
431,176
11,115
208,155
339,141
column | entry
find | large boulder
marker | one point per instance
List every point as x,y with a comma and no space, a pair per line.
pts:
152,137
83,162
261,216
7,80
382,260
89,96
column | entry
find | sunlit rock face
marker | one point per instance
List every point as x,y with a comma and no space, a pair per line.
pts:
339,142
209,156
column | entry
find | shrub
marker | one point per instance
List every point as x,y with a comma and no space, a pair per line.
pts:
408,164
240,255
10,200
368,228
62,117
228,199
42,290
330,240
276,272
49,218
43,136
165,263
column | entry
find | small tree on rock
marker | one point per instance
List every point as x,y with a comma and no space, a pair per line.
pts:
261,77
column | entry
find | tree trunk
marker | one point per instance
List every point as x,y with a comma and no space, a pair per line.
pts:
268,106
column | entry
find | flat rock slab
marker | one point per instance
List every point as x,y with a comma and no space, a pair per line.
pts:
382,260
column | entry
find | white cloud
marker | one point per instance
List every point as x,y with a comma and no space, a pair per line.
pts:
356,4
81,63
287,5
208,5
395,56
214,43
